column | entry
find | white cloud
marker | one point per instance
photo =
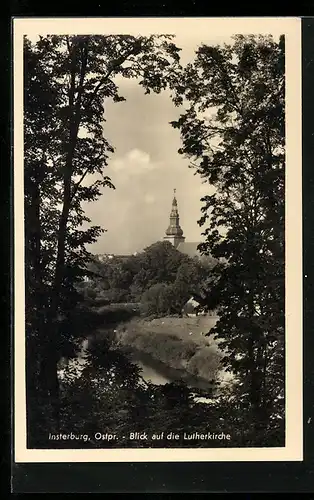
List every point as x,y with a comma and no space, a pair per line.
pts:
134,162
139,157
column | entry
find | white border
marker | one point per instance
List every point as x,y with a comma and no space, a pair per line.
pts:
291,28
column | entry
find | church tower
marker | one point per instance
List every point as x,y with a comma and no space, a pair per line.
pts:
174,233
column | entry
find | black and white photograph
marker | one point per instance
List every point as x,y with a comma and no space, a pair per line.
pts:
158,304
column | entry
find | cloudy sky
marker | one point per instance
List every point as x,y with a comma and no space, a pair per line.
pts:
146,167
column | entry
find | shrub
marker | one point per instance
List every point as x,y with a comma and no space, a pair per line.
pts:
157,300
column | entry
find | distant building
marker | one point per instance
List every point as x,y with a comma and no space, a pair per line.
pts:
192,308
174,234
108,256
189,248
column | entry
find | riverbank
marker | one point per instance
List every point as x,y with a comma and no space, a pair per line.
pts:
178,347
160,373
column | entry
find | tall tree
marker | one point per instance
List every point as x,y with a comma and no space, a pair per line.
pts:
159,263
67,79
233,131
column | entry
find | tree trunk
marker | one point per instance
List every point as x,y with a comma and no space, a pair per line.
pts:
53,334
35,304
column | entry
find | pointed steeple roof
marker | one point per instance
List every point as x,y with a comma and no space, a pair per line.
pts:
174,228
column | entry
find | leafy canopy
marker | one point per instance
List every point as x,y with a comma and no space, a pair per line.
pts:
233,131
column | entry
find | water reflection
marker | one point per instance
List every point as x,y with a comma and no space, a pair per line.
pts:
150,375
160,373
152,370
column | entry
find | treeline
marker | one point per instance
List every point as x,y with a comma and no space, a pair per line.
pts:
160,278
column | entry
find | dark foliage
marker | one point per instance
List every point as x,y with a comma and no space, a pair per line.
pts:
160,277
234,132
239,150
66,80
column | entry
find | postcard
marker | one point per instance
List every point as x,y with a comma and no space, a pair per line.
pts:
157,240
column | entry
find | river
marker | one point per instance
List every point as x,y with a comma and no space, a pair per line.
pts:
149,374
160,373
152,370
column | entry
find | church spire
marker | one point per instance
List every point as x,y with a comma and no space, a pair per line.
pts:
174,233
174,210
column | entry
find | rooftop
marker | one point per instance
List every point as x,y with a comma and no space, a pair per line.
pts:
189,248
